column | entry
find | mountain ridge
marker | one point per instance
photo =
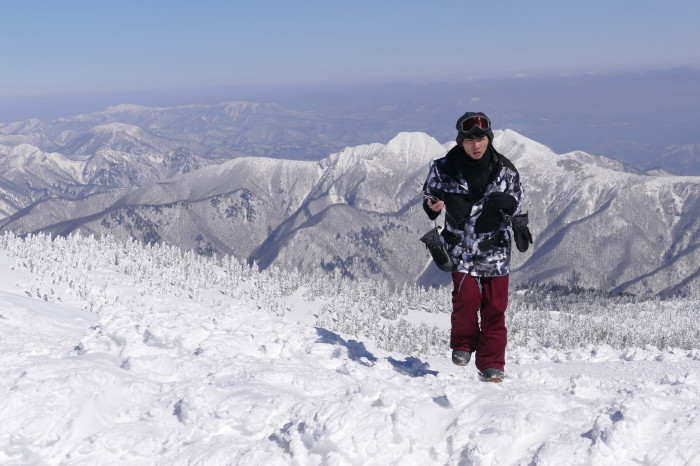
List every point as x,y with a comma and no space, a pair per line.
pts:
357,212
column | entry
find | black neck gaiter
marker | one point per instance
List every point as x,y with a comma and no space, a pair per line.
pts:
477,173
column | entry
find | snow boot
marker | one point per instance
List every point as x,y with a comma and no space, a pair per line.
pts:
492,375
461,358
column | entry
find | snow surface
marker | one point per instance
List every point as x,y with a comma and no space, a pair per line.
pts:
151,377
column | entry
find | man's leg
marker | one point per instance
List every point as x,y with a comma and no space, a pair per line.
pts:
493,338
466,299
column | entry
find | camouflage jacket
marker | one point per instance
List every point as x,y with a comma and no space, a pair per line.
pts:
482,254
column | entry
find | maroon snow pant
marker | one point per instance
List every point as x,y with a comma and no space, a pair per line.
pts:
490,296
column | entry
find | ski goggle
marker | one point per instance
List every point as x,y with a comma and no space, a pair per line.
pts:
476,122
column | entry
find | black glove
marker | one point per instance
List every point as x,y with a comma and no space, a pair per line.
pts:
523,237
501,201
438,249
491,216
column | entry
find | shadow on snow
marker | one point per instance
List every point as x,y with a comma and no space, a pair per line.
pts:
411,366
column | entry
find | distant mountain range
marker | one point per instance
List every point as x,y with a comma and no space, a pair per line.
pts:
128,145
221,131
180,176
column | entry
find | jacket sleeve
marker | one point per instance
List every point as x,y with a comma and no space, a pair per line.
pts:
519,221
431,187
516,189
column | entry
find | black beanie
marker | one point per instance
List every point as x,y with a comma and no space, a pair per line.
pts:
462,135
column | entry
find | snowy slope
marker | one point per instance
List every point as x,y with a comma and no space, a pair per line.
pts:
179,362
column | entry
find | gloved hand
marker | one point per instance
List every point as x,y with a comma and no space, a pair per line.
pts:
523,237
491,216
501,201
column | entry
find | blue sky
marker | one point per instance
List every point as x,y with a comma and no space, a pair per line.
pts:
78,47
63,58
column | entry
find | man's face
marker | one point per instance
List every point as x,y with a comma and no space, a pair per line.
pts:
475,148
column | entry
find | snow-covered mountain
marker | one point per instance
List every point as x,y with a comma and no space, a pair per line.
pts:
220,131
129,145
33,174
682,159
597,223
601,224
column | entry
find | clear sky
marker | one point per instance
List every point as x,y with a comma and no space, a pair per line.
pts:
90,46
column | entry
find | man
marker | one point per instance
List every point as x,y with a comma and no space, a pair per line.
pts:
481,193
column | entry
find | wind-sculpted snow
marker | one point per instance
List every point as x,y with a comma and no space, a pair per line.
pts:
112,353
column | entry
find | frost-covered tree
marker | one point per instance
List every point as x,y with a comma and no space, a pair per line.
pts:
83,269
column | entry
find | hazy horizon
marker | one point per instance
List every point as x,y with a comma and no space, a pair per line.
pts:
64,105
634,117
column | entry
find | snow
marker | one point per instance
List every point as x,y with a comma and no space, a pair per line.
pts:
112,129
26,157
414,145
170,372
130,108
